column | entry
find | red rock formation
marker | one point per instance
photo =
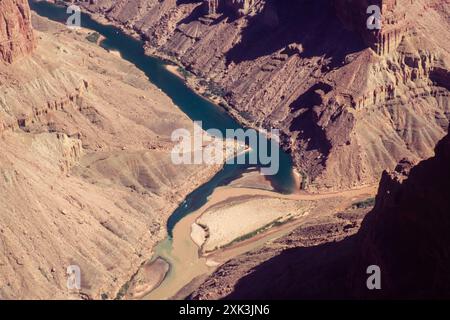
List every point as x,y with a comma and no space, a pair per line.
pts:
16,33
50,127
346,112
353,13
237,7
211,6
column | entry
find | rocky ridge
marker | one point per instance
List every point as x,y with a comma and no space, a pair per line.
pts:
236,7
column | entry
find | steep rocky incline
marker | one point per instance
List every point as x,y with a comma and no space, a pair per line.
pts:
86,176
16,33
350,101
406,235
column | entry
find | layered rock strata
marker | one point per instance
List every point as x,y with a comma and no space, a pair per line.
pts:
236,7
16,33
86,176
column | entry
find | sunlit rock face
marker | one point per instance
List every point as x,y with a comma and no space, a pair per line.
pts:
16,33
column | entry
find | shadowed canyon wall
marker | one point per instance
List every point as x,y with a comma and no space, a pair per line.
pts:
407,233
393,19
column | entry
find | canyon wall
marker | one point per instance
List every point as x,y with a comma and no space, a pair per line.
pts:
353,14
77,188
350,102
407,233
16,33
236,7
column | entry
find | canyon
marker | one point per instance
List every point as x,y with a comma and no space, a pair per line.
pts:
351,103
87,177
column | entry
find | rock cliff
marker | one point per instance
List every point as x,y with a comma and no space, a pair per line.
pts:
407,233
235,7
394,24
16,33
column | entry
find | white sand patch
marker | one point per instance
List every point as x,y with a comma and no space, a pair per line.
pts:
212,263
116,53
198,234
230,221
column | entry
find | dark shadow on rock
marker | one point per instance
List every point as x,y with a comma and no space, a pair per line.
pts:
407,234
311,23
311,132
307,120
317,272
312,97
198,12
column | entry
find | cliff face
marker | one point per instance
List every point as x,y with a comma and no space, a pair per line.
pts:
16,33
236,7
406,235
393,19
350,102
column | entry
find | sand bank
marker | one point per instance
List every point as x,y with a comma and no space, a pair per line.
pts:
241,218
235,214
198,234
148,278
175,70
